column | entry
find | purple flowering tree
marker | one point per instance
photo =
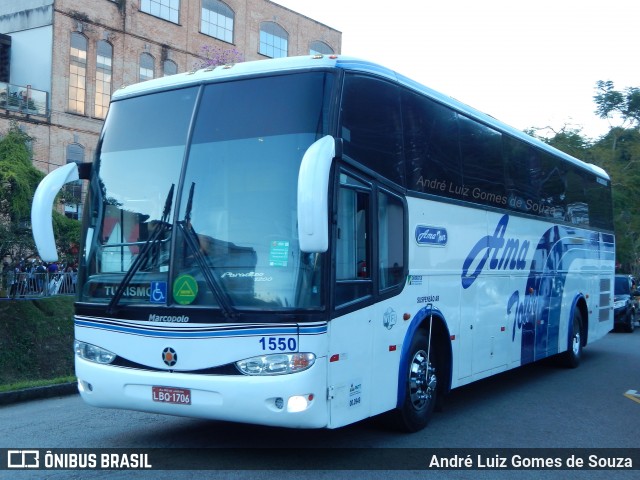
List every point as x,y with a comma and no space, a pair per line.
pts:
214,55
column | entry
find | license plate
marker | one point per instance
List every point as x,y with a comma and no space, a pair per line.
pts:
180,396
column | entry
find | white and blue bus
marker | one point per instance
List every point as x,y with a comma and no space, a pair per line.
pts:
307,242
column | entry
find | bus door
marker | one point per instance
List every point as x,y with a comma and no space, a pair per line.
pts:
390,324
350,332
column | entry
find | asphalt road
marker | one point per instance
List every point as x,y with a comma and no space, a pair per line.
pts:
537,406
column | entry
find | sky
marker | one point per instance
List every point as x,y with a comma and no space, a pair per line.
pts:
529,63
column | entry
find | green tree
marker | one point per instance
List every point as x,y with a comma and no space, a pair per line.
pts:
18,176
569,140
618,152
18,182
623,106
67,233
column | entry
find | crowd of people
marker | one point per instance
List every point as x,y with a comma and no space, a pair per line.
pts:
37,278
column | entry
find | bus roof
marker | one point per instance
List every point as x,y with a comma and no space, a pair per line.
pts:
307,62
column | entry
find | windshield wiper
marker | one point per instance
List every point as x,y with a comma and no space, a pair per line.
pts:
144,251
192,241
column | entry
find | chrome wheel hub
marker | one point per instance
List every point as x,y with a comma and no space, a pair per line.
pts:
422,380
576,343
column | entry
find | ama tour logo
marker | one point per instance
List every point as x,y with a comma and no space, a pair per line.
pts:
495,252
535,311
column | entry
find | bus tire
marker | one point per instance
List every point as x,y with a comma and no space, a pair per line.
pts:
571,358
421,385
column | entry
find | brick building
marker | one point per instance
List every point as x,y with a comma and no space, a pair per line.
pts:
60,60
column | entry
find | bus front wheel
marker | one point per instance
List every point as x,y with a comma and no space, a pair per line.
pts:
421,385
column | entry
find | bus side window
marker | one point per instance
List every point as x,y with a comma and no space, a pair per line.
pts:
391,232
371,125
353,243
432,146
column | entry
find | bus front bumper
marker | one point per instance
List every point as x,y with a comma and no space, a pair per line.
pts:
296,400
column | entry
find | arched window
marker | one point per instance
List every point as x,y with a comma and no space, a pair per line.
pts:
77,73
217,20
274,40
320,47
147,67
103,78
170,68
72,193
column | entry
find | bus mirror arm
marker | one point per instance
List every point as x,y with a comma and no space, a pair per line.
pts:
313,195
84,170
42,209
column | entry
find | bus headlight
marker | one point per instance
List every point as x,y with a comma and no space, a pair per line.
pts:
277,364
93,353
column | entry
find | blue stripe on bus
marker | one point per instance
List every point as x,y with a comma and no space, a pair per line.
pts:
207,332
557,249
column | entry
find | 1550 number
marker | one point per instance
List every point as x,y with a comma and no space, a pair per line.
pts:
280,344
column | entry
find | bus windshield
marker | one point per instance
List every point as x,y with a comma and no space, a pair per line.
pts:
193,199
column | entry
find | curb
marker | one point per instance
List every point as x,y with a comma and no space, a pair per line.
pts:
35,393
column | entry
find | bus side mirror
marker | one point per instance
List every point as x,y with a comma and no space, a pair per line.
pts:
313,195
42,209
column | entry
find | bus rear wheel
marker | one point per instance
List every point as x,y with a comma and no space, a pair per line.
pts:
571,358
421,385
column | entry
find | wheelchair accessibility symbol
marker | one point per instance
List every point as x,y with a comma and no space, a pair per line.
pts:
158,292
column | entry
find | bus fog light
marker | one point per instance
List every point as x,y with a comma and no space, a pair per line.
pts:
299,403
93,353
278,364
